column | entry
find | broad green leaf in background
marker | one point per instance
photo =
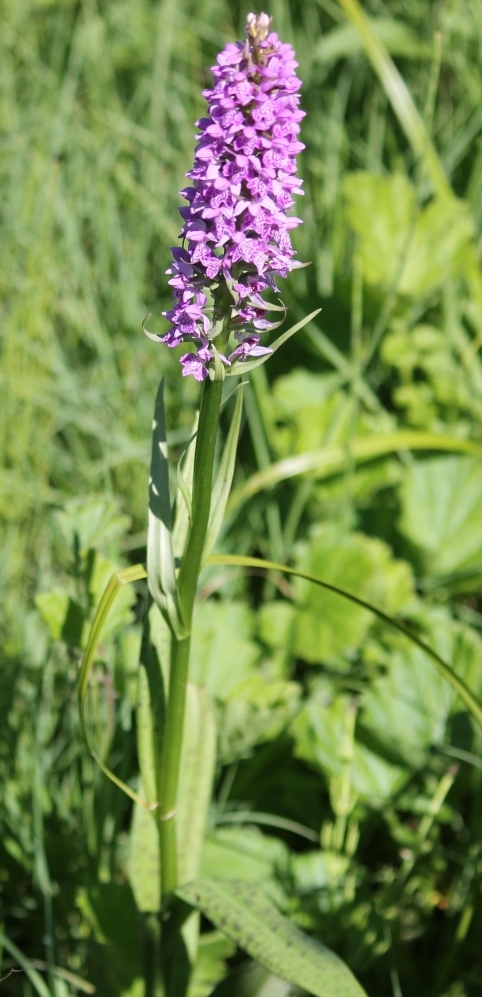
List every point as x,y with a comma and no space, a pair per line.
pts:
244,914
324,626
251,980
217,661
471,700
213,951
447,385
442,515
257,709
319,734
246,854
399,242
405,711
91,523
309,411
62,614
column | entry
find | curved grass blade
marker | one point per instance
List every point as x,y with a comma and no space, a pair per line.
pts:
222,486
26,965
243,368
468,697
268,820
243,913
124,577
161,572
332,460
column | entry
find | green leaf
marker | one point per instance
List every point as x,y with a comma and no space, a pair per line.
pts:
324,626
224,479
144,861
471,701
319,733
116,582
217,661
405,711
63,616
185,471
161,573
244,914
198,760
397,241
91,523
210,967
246,854
442,515
255,710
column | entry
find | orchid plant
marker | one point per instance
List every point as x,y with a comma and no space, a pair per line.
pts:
236,246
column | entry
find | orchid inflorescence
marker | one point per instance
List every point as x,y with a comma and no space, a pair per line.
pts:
236,228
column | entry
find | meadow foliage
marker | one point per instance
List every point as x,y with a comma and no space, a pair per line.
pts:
346,767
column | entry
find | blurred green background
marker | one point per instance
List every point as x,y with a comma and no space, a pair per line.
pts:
98,100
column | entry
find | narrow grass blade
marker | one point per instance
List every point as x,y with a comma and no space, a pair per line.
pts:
244,368
468,697
161,573
398,95
268,820
224,479
124,577
36,980
334,459
243,913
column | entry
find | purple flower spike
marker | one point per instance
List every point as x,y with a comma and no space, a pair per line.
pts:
236,231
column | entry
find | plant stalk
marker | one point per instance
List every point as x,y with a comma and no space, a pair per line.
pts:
180,649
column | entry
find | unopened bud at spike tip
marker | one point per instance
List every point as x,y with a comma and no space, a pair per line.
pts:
258,26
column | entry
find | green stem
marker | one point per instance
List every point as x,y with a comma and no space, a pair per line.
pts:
187,585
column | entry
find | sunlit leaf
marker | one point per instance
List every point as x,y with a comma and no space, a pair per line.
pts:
472,702
224,478
243,913
161,574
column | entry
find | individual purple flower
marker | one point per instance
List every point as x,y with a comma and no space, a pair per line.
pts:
236,229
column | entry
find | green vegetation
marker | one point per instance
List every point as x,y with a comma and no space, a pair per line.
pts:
347,771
